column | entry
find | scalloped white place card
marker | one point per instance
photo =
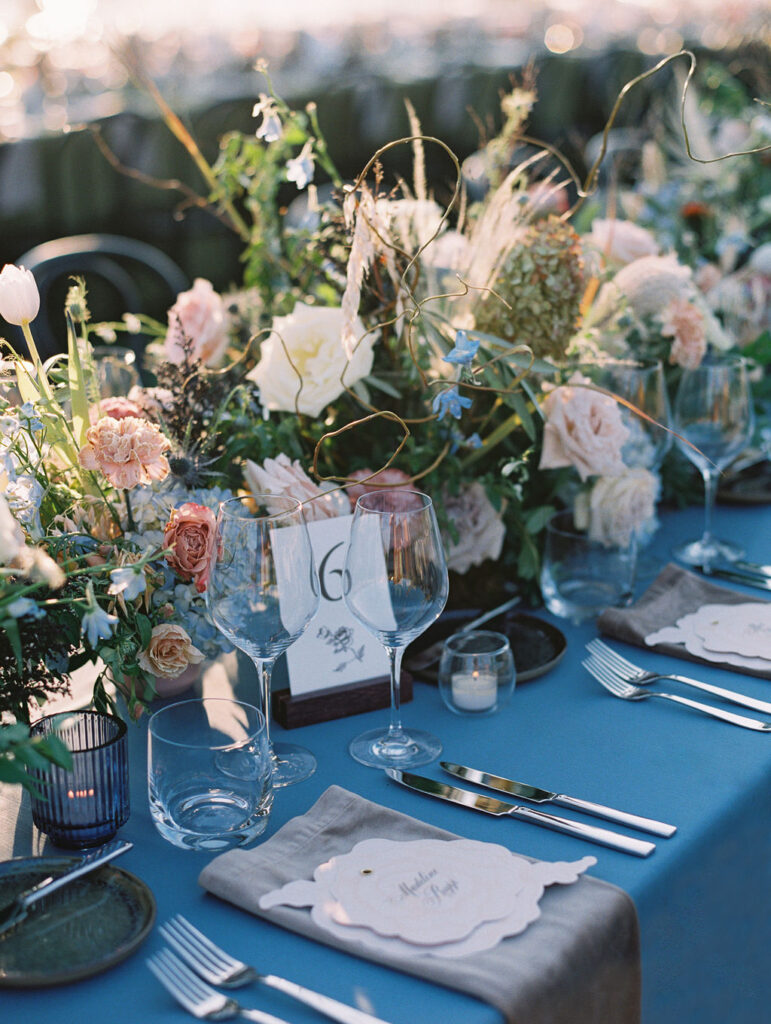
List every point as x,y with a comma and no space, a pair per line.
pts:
429,896
738,634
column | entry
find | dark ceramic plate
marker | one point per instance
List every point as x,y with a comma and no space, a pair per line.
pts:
537,645
750,487
84,928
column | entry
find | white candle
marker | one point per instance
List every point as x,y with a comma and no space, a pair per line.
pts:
474,691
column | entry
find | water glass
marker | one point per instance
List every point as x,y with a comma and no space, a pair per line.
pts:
476,672
116,371
84,805
580,576
209,773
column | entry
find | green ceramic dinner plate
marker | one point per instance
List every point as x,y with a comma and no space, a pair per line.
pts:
84,928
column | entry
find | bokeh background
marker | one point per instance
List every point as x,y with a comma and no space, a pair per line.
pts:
63,75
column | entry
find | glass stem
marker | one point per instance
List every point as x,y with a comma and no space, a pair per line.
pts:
710,490
264,673
395,731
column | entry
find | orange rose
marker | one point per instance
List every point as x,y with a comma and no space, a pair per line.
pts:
169,652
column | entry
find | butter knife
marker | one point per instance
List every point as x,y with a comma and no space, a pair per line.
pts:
18,910
488,805
543,796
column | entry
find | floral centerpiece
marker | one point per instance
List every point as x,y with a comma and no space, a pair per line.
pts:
377,339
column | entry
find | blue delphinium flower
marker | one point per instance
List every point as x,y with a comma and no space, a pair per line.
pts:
465,350
96,622
450,401
129,581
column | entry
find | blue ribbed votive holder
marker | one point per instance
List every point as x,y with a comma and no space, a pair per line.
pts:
87,804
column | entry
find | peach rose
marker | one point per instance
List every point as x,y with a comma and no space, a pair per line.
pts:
621,241
128,451
479,526
169,652
282,476
685,323
191,532
583,429
198,317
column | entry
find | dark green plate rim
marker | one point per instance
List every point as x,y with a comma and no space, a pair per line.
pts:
130,885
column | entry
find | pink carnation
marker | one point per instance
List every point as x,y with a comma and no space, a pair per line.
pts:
683,322
117,407
583,429
128,451
198,319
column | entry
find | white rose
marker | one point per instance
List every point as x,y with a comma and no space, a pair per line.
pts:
11,535
309,378
621,241
479,526
618,507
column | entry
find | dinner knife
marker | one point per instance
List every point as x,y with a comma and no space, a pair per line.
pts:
737,575
18,910
487,804
543,796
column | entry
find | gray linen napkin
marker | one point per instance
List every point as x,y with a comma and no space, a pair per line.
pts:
579,963
675,592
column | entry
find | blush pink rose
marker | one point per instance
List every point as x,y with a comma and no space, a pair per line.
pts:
386,479
198,318
685,323
583,429
191,532
128,451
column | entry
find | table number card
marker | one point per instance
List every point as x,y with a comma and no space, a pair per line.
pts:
335,649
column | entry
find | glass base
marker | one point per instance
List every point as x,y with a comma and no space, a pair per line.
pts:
291,764
707,550
378,750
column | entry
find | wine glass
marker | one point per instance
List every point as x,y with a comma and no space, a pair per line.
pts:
641,383
713,421
262,593
395,583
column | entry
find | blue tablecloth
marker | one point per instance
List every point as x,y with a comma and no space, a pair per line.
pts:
702,898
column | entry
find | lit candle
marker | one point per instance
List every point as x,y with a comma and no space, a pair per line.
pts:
474,691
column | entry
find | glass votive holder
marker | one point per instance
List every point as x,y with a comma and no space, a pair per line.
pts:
84,805
581,576
209,773
476,672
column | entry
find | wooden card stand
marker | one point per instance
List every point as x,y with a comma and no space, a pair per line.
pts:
336,702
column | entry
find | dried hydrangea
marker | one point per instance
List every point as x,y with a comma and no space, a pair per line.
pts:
542,281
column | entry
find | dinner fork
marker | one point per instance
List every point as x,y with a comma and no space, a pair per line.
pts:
638,676
612,682
219,968
196,996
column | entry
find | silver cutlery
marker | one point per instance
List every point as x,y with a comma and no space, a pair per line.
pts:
216,966
18,910
196,996
753,567
488,805
544,796
615,685
637,676
737,574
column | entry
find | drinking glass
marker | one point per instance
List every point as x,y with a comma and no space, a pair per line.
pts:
395,583
262,593
209,773
116,372
714,420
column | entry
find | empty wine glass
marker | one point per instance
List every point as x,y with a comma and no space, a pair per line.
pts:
395,583
641,383
714,420
262,593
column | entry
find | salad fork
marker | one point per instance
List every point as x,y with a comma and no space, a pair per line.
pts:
615,685
219,968
638,676
196,996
